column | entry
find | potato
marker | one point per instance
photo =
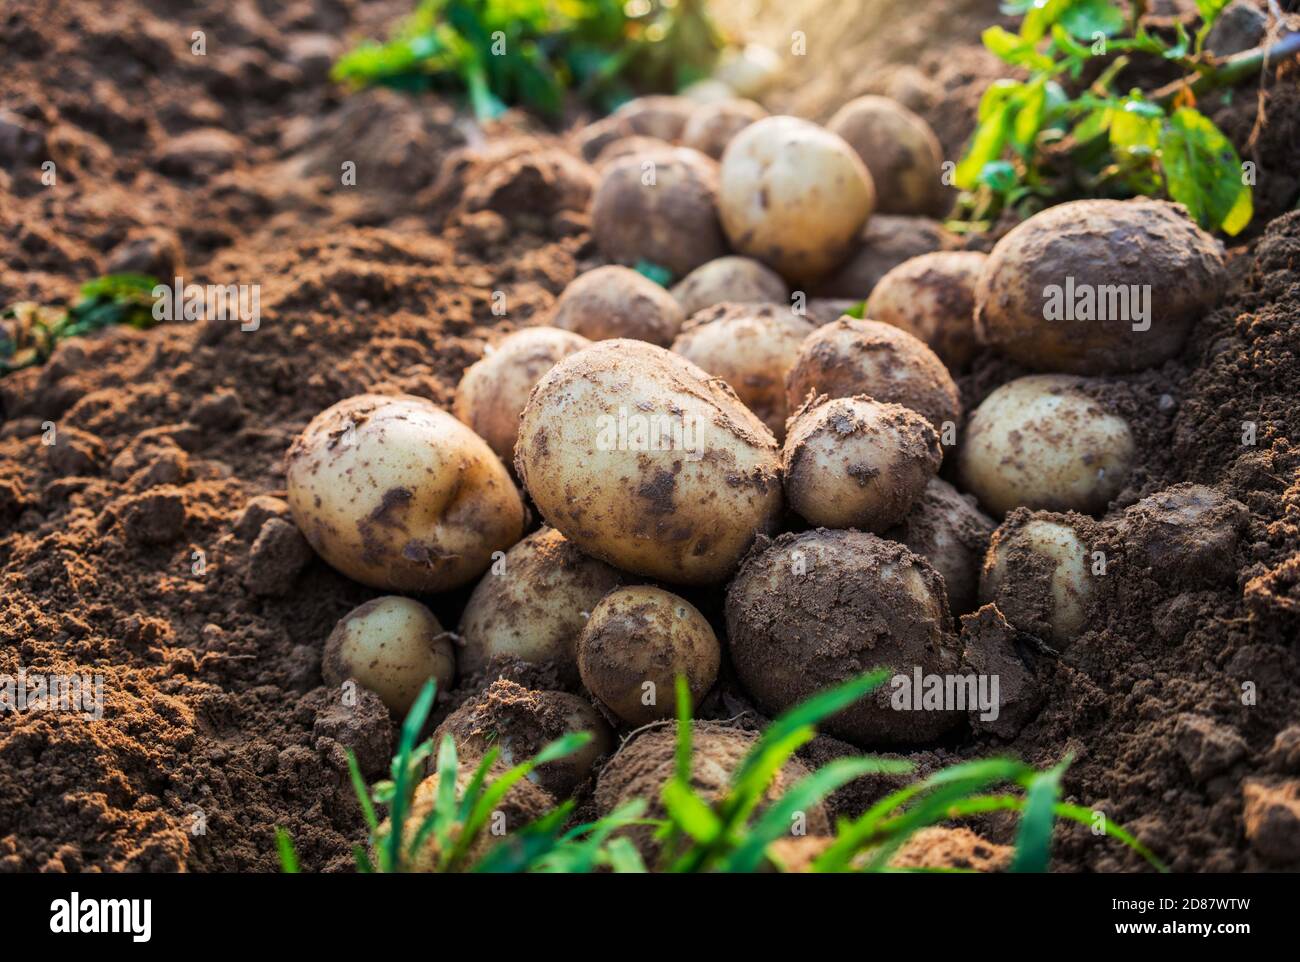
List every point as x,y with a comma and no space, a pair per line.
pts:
1042,442
658,115
947,529
616,301
659,207
851,356
644,461
1037,573
738,280
749,71
712,126
397,494
933,848
810,610
493,390
391,646
857,463
535,607
1096,286
634,145
707,91
635,644
933,297
793,195
751,347
592,140
900,150
883,244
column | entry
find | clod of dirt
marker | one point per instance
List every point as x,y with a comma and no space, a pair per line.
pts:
256,513
542,182
1272,818
364,727
992,650
277,558
153,518
1186,535
937,847
1207,746
75,453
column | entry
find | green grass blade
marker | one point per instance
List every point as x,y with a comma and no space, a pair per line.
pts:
1084,816
1034,839
443,811
364,865
403,769
288,857
526,847
624,858
474,789
683,756
690,813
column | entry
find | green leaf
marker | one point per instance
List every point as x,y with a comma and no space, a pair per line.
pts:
288,857
1031,107
999,176
1014,50
1203,171
624,857
660,275
690,813
1087,18
1134,131
1034,839
996,114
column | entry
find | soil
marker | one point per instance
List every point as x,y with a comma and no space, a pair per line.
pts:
126,545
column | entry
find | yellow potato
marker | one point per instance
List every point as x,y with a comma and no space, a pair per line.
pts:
900,150
730,279
712,126
616,301
933,297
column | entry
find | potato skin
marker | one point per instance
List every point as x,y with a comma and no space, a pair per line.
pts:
751,347
1100,243
712,126
851,356
857,463
933,297
534,609
644,634
730,279
392,646
397,494
1041,442
672,223
684,514
615,301
493,390
947,529
900,150
793,196
887,241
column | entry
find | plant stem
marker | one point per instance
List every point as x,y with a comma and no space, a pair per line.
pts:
1235,68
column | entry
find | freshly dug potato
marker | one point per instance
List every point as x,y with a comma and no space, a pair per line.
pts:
947,529
1042,442
535,608
616,301
1037,573
933,297
391,646
628,146
712,126
852,462
707,91
658,115
643,460
886,241
749,71
659,207
731,279
397,494
794,196
635,644
493,391
900,150
751,347
1096,286
810,610
851,356
593,139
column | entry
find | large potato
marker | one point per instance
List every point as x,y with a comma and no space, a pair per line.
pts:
730,279
887,241
397,494
793,195
900,150
712,126
933,297
643,460
751,347
493,391
616,301
1095,286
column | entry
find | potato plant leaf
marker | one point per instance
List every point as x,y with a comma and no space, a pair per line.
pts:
1203,171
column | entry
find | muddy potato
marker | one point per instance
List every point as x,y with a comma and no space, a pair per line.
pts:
658,115
493,391
399,495
659,207
730,279
391,646
616,301
1042,442
793,195
635,644
857,463
851,356
1037,573
946,528
900,150
535,607
1096,286
933,297
751,347
712,126
887,241
643,460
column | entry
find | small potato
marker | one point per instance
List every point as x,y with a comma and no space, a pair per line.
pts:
1097,286
947,529
794,196
712,126
659,207
493,391
1036,572
616,301
900,150
857,463
592,140
643,460
851,356
884,243
933,297
658,115
749,71
397,494
634,145
731,279
751,347
636,642
535,607
1042,442
391,646
707,91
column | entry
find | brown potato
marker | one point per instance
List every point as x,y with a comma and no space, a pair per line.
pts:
657,115
594,138
634,145
731,279
946,528
900,150
933,297
616,301
712,126
884,243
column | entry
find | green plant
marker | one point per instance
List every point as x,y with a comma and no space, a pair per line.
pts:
530,52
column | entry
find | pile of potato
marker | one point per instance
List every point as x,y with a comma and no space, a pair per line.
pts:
725,477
